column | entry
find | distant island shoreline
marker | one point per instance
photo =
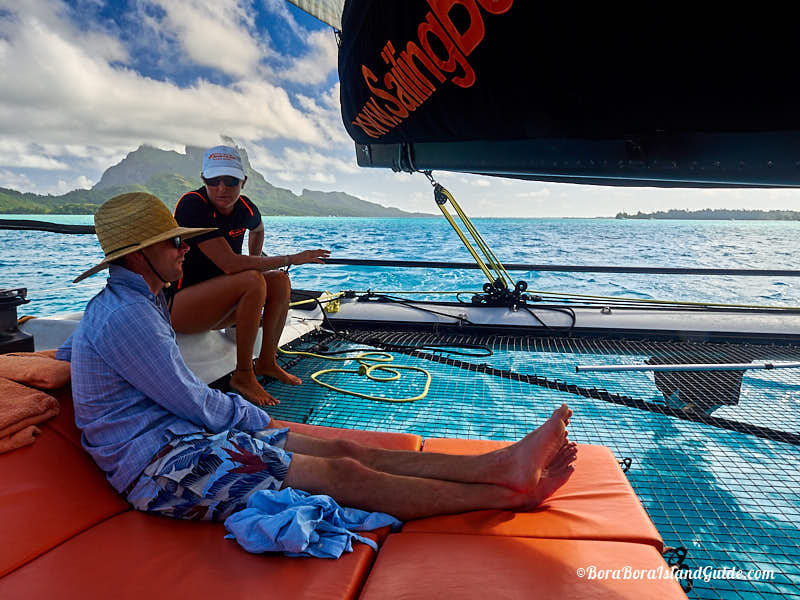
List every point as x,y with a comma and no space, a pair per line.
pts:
716,214
168,175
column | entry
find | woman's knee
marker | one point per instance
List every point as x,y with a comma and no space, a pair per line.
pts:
250,280
278,281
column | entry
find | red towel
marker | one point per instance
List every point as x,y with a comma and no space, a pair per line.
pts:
21,407
36,369
18,440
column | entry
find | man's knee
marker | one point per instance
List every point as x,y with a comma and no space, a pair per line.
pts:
347,449
345,468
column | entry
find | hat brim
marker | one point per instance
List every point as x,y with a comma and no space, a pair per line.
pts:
185,233
212,172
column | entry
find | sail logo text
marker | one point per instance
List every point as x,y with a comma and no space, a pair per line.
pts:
442,53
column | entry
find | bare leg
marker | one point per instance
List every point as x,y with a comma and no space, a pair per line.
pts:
352,484
279,290
222,301
519,466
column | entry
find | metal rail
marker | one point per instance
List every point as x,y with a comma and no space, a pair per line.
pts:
29,225
421,264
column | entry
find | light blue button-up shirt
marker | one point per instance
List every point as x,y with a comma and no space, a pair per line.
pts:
131,388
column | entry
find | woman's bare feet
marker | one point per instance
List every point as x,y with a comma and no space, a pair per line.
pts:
526,460
244,383
273,370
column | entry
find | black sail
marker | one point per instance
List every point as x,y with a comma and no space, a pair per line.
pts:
602,93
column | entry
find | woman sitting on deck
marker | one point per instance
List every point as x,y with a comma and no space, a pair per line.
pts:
220,286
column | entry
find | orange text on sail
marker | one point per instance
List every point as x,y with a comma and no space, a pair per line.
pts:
439,54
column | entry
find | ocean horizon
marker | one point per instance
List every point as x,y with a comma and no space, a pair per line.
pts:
46,263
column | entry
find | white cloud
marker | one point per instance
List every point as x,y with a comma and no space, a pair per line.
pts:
27,156
320,177
215,33
54,16
58,94
78,183
15,181
317,64
540,193
281,9
298,164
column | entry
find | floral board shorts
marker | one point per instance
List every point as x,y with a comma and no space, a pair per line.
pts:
209,476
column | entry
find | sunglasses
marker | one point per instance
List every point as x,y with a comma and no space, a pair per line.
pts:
228,180
176,241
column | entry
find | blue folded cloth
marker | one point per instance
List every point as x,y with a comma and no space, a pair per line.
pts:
299,524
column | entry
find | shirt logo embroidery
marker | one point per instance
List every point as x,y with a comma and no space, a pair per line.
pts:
237,232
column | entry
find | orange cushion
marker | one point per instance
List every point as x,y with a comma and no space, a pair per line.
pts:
50,492
378,439
596,503
137,556
37,369
64,423
424,565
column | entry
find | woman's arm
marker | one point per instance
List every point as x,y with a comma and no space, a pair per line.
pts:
255,240
220,253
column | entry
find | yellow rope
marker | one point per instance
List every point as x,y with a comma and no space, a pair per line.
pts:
466,243
325,297
367,363
494,262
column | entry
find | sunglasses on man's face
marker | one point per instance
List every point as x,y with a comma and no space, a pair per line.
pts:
228,180
176,241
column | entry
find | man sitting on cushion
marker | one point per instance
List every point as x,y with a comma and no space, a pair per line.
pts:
176,447
221,286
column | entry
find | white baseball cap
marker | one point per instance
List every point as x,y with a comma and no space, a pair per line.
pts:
222,160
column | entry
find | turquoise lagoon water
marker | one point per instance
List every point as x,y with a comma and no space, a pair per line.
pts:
731,498
45,263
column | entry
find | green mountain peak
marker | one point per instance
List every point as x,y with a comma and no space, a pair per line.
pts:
169,174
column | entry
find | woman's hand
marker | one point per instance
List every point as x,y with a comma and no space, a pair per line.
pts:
309,256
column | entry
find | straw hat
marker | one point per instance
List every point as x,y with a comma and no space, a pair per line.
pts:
130,222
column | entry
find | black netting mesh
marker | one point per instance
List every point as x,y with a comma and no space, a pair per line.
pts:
715,458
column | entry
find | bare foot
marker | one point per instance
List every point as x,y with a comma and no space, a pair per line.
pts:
273,370
244,383
549,482
566,455
527,459
553,476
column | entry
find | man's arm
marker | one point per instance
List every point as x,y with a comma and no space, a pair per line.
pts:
149,359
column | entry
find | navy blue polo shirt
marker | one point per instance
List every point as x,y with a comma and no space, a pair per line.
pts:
195,210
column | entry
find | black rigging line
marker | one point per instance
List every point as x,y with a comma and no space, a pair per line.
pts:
562,386
591,393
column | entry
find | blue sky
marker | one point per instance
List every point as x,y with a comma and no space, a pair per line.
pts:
82,83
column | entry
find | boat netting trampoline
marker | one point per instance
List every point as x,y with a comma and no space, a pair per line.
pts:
714,455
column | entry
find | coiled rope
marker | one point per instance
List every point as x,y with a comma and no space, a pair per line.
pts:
369,363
